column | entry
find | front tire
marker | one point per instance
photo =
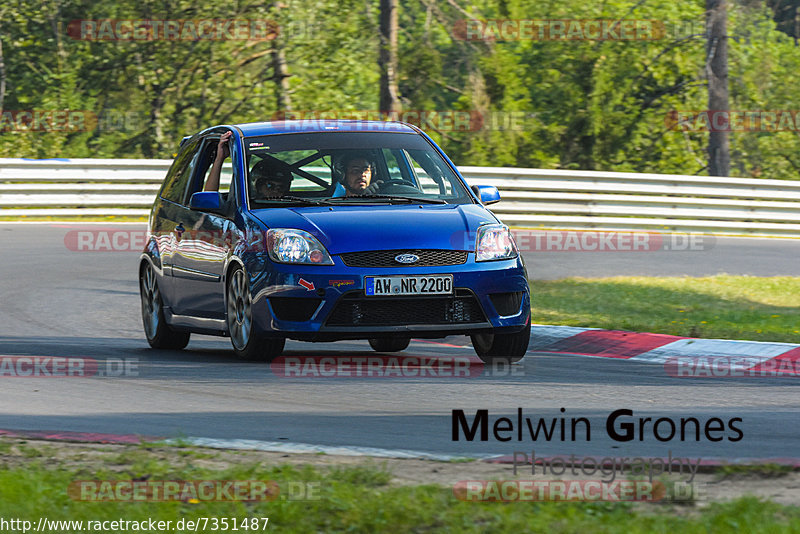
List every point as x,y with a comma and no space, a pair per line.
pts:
247,343
158,332
509,348
389,344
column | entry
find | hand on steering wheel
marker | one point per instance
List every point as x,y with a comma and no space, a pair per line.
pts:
373,188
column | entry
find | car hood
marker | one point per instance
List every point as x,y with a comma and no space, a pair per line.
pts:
384,227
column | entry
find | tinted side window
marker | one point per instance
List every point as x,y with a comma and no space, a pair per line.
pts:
203,165
207,160
175,185
202,171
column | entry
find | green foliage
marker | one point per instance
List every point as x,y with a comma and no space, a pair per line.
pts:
347,502
768,470
583,104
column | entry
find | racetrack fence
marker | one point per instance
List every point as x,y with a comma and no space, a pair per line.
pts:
531,198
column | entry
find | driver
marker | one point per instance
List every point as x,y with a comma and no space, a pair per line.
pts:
358,171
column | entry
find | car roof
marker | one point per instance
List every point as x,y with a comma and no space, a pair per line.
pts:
312,125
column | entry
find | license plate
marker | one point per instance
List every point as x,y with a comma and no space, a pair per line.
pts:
441,284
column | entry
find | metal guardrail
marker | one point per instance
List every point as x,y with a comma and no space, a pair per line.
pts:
535,198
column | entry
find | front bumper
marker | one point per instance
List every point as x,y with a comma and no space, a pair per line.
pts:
324,303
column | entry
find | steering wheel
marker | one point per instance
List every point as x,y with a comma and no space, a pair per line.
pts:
396,181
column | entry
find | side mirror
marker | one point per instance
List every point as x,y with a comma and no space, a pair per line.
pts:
206,201
488,194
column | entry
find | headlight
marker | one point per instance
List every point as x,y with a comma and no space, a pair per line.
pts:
494,242
296,246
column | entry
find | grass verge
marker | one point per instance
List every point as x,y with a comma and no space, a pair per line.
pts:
360,499
723,306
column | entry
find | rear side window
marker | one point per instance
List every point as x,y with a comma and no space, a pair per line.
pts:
178,177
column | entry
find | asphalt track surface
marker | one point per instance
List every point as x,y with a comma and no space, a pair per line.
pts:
58,302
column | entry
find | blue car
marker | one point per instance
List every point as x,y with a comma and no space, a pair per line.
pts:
323,231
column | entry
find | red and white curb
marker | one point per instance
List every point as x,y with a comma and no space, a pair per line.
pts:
665,349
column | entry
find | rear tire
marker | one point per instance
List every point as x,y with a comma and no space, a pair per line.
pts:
247,343
158,332
389,344
509,348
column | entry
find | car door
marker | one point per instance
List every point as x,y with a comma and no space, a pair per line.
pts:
204,241
171,213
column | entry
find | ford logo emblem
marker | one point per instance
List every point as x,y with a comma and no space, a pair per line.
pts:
406,258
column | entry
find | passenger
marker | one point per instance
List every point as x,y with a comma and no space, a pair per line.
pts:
271,180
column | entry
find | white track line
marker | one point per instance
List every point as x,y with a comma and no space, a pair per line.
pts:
307,448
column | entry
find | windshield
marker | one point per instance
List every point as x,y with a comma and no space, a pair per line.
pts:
349,167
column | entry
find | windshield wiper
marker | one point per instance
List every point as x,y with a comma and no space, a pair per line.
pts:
392,198
289,198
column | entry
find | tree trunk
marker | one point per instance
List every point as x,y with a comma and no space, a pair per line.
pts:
387,59
281,77
2,77
717,73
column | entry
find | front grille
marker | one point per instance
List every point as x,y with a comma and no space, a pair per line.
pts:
385,258
294,309
355,309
